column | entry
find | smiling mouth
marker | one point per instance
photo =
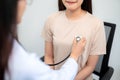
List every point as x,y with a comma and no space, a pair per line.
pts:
70,2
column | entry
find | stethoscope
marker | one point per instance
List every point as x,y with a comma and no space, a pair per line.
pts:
78,38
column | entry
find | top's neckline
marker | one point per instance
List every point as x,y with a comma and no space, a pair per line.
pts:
76,20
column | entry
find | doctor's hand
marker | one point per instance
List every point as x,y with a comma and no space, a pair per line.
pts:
78,48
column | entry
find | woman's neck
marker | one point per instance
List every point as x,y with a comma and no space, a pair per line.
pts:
73,15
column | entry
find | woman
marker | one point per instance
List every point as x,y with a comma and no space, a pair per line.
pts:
15,62
60,29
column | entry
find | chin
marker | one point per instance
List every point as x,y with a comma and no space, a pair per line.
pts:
71,9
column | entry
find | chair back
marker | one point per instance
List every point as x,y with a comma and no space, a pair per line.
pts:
102,65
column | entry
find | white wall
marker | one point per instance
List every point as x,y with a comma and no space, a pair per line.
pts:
35,15
33,21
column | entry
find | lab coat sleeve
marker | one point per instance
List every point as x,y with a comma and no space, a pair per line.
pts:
35,69
67,71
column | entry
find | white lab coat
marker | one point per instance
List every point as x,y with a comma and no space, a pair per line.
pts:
25,66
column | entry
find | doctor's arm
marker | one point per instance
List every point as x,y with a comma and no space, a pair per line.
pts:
35,69
69,70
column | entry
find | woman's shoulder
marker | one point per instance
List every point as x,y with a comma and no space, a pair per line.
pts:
22,56
18,49
19,57
24,64
93,18
18,54
55,14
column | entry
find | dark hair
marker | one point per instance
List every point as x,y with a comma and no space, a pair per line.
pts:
86,5
8,12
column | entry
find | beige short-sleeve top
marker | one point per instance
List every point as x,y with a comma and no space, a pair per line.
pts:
61,31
